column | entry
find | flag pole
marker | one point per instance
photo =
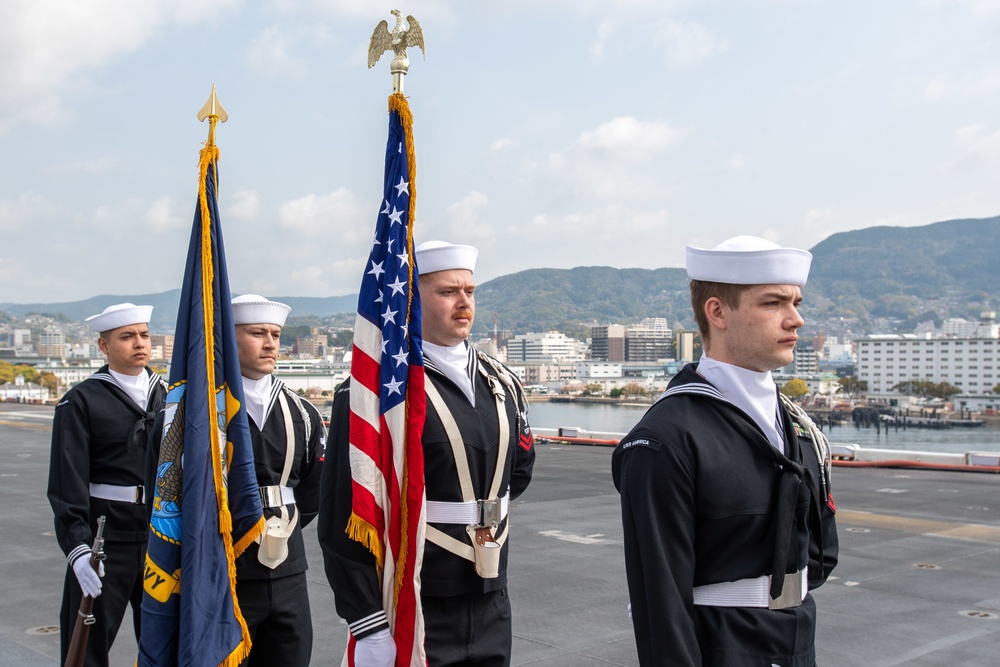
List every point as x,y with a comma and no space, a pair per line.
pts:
388,400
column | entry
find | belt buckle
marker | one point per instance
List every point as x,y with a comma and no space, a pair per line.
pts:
791,593
267,497
489,512
140,495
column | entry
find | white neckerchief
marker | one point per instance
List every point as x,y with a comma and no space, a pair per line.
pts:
257,394
136,386
753,392
454,363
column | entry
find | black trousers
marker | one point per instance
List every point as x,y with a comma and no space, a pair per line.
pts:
277,614
468,629
121,585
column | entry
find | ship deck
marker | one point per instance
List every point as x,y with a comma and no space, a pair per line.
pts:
918,581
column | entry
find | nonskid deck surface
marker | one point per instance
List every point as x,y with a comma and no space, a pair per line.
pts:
918,581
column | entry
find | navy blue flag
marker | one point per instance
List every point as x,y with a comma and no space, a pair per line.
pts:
206,505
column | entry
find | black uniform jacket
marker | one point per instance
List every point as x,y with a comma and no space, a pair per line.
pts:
699,486
269,461
99,436
350,567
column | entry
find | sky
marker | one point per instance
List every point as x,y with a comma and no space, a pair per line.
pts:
550,133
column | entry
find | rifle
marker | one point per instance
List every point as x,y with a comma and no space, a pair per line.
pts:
85,616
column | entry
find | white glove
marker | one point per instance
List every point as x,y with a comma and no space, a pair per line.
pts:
90,582
377,650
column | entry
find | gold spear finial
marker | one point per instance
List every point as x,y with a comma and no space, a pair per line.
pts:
213,108
214,112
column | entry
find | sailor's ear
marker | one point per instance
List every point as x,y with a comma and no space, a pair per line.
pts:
715,312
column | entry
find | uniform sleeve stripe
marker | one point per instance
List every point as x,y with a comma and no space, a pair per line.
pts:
369,625
77,553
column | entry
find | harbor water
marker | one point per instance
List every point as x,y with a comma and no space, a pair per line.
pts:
611,418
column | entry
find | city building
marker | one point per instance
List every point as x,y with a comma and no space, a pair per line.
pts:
970,364
313,346
551,346
648,343
162,346
805,362
607,342
20,391
684,346
52,344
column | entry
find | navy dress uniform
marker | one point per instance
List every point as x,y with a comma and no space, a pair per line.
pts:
289,439
97,469
478,453
728,517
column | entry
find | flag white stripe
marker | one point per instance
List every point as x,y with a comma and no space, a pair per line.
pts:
367,337
366,473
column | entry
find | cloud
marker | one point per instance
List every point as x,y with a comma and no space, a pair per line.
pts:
687,43
503,144
609,163
629,137
138,221
49,46
243,205
976,145
945,87
598,47
94,166
340,213
818,214
468,208
16,213
985,9
270,54
736,161
163,216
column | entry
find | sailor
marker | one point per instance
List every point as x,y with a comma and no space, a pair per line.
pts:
476,437
725,484
97,469
289,439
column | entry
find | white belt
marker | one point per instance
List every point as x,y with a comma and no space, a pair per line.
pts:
276,496
472,513
125,494
747,592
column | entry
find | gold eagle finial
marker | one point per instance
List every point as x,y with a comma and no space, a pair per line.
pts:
403,35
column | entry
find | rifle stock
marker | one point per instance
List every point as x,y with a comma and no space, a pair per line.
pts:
85,616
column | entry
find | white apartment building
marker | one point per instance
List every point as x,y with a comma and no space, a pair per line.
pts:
551,346
985,327
971,364
598,369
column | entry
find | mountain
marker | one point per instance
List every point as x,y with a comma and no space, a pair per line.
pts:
900,271
165,305
945,269
542,299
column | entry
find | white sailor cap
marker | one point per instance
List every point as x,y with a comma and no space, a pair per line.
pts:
255,309
748,260
120,315
442,256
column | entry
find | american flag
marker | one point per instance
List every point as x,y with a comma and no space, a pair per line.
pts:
388,403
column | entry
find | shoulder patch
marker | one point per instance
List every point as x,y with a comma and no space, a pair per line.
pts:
629,443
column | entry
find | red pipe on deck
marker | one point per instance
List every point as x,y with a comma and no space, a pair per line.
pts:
922,465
